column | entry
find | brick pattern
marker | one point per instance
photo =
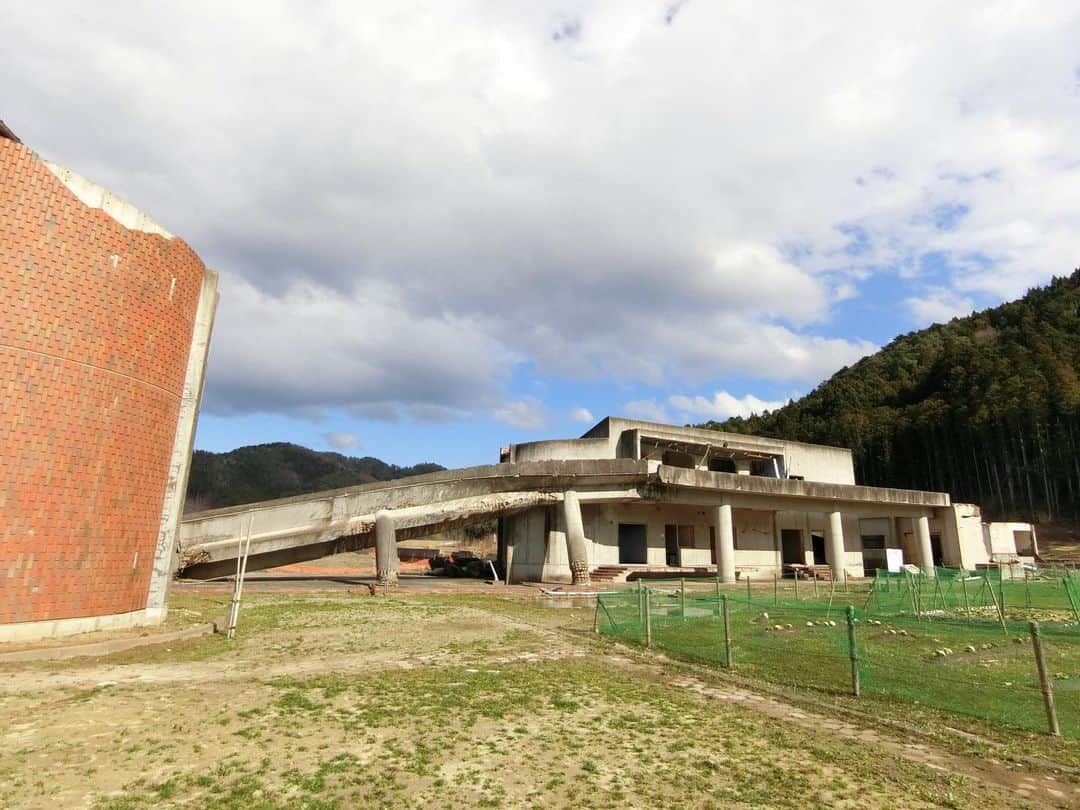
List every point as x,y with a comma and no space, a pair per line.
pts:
95,329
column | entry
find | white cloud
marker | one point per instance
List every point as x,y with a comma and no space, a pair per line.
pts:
647,409
527,414
721,406
938,306
582,415
342,440
469,195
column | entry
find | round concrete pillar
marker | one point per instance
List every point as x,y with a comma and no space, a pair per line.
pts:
834,545
577,551
725,543
386,558
925,549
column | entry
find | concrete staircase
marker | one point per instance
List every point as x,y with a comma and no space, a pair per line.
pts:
609,573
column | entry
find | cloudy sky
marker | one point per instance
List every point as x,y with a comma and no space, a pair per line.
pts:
445,226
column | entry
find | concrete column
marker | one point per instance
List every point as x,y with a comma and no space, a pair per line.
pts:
725,543
922,539
386,558
165,551
834,544
576,549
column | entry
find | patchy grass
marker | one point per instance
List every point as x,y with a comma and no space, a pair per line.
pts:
343,701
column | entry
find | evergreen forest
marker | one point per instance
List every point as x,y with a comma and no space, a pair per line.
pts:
986,407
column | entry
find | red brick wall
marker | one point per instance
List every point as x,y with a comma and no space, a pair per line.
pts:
94,340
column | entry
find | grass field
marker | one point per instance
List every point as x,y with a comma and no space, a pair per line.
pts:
341,700
970,669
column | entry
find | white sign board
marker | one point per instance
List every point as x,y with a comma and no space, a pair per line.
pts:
894,560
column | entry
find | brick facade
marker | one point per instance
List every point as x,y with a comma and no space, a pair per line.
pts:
96,324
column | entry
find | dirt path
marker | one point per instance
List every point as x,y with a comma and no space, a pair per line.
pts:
429,702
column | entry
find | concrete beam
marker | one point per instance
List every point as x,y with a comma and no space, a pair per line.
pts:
297,534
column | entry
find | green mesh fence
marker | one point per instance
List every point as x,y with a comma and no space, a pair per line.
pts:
916,640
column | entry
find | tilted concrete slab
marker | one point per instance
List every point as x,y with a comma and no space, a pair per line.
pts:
307,527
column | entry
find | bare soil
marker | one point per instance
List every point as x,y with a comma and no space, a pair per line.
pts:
346,700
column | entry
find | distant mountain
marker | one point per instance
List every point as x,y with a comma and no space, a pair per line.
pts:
986,407
264,471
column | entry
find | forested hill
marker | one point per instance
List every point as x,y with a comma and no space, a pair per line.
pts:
264,471
986,407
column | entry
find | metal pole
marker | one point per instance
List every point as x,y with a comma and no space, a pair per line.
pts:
963,585
853,650
796,584
1027,588
816,594
748,588
718,594
776,589
648,619
1044,680
596,616
727,632
682,597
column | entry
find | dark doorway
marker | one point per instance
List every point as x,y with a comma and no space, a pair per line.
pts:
671,544
791,547
818,543
632,544
935,549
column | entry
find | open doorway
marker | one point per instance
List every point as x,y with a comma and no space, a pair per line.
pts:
633,548
671,544
791,547
817,541
935,550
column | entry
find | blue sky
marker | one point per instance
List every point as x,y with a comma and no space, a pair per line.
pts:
440,228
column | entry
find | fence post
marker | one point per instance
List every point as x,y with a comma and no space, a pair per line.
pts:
747,589
776,589
998,605
1027,588
718,595
648,619
853,650
1044,680
641,609
596,616
963,585
796,584
727,632
682,597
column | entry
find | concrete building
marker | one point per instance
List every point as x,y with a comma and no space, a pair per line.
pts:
740,506
627,497
105,321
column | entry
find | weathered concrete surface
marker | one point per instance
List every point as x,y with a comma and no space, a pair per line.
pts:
307,527
165,553
804,495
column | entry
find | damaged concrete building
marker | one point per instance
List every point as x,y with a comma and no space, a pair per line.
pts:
739,505
629,497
